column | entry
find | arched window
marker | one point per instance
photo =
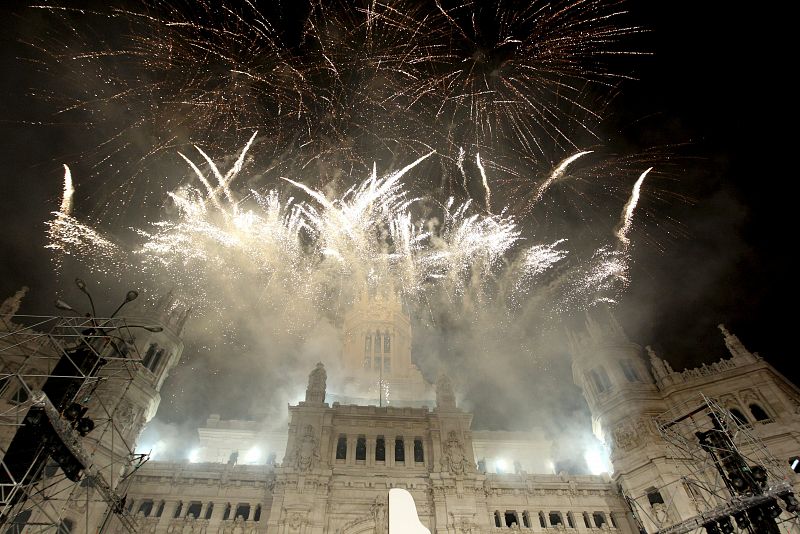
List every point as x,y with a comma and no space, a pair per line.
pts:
361,448
419,452
629,370
341,447
526,519
160,508
209,510
586,520
178,510
257,514
542,521
498,522
368,344
600,379
226,514
149,355
380,449
387,344
739,417
758,412
399,449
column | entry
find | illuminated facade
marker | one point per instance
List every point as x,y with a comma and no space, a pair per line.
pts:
331,470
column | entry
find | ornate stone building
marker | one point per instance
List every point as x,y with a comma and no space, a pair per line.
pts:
346,446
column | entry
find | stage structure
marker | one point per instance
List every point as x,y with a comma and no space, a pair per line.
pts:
722,471
74,395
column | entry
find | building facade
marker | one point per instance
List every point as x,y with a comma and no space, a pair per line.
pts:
330,470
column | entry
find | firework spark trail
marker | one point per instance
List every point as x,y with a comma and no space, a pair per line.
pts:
69,192
557,173
627,213
485,182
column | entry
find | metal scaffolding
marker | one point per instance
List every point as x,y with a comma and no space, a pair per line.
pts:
64,448
719,473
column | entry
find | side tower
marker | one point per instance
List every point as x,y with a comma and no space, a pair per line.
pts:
376,356
624,400
82,388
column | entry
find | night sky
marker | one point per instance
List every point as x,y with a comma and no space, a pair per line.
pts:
714,87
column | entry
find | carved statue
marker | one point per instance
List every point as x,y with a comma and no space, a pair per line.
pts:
660,513
11,305
455,459
445,398
378,511
238,525
316,384
658,365
306,450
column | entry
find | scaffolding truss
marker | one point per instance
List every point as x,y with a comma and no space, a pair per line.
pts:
81,464
721,475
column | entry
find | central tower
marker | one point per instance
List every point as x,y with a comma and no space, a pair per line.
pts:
376,356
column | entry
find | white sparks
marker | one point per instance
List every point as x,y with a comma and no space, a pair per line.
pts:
557,173
69,191
627,213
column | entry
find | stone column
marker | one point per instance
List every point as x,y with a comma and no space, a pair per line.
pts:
351,449
167,513
370,450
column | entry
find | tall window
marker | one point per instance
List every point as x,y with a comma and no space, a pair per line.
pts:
498,522
758,412
387,364
178,510
160,508
526,519
599,519
380,449
361,448
600,379
629,370
419,454
654,496
257,514
226,514
153,356
194,509
209,510
341,447
368,344
399,450
511,518
739,417
146,507
387,343
377,342
243,510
